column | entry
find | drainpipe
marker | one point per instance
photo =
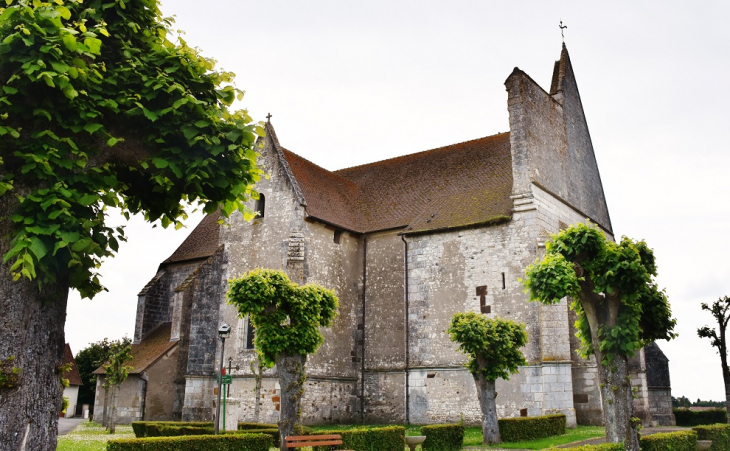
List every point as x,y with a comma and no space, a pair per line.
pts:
407,324
362,354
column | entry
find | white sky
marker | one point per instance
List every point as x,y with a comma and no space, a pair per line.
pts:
353,82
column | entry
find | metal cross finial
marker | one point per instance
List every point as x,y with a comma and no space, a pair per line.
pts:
562,27
268,116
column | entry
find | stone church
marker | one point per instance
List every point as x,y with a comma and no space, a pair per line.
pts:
405,243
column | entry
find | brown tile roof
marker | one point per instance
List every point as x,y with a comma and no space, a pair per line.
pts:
201,243
455,186
149,350
73,376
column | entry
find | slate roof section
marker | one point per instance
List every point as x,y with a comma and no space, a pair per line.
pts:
73,376
149,350
454,186
201,243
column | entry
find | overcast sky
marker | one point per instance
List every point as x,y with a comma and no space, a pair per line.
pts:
354,82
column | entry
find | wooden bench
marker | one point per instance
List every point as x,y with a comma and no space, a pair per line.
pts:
302,441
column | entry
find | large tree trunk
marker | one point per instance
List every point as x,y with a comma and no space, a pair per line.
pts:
31,333
618,403
488,403
291,380
726,380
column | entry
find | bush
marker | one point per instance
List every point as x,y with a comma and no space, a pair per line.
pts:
227,442
389,438
244,426
686,417
274,433
718,433
601,447
674,441
531,428
443,437
140,427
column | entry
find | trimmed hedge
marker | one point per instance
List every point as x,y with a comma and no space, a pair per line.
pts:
140,427
686,417
601,447
674,441
718,433
531,428
389,438
245,426
443,437
228,442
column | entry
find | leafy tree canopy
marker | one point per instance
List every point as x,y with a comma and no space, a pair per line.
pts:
99,108
612,286
91,358
287,316
493,345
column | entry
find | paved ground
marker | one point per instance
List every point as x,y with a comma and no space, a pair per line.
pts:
66,425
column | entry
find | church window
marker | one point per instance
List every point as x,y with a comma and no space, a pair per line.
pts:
260,205
338,236
250,334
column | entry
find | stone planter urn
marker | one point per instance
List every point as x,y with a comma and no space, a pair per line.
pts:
703,445
414,441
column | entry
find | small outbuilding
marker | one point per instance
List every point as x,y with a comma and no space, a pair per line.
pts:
148,392
74,382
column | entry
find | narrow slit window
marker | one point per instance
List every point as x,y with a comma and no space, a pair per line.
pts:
504,282
338,236
260,206
250,334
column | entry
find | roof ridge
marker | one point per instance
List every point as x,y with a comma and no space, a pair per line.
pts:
419,153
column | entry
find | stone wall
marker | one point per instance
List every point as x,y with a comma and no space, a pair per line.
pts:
130,399
160,391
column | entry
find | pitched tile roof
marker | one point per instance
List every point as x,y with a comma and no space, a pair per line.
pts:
453,186
201,243
149,350
73,376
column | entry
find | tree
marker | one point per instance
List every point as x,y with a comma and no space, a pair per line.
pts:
116,372
493,347
98,109
619,309
88,360
720,310
287,318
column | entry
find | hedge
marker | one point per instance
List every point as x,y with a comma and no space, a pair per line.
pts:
228,442
674,441
686,417
389,438
443,437
531,428
160,428
601,447
718,433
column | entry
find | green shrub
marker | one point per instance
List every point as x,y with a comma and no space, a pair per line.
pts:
718,433
140,427
601,447
227,442
686,417
443,437
389,438
531,428
672,441
244,426
274,433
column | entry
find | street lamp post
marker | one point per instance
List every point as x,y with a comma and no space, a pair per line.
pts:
223,332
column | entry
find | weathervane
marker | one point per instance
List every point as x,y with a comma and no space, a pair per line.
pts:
268,116
562,27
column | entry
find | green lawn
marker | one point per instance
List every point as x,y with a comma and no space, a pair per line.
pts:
89,436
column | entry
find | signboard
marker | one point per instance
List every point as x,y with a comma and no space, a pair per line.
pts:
226,379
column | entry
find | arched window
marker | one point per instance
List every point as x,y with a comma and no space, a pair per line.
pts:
260,205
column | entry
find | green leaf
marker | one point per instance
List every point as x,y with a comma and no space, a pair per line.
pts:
189,131
65,13
70,42
37,247
9,89
42,112
112,141
92,127
159,163
94,45
59,67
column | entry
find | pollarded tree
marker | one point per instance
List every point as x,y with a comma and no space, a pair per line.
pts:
116,371
619,309
98,109
287,318
493,347
720,310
